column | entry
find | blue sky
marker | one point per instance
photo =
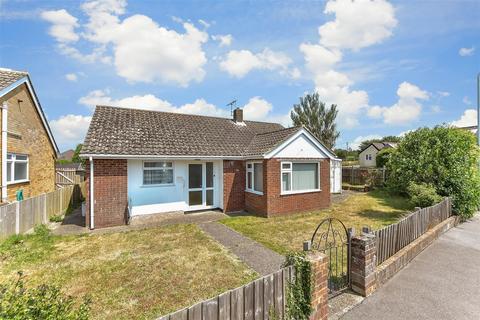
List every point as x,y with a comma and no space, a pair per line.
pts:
389,66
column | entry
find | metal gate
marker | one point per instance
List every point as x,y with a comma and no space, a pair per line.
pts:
333,239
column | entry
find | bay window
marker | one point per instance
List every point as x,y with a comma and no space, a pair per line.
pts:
297,177
255,177
157,173
17,168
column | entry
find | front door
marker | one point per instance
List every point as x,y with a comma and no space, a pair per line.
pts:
200,185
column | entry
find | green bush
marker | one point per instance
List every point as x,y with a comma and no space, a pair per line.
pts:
42,302
383,156
56,218
299,291
443,157
423,195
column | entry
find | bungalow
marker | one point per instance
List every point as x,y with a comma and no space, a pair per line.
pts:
144,162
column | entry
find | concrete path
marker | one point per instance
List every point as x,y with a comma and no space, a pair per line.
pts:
442,282
261,259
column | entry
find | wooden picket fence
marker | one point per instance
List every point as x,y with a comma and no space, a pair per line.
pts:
393,238
68,177
264,298
21,216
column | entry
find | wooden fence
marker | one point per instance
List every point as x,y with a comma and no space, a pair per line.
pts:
263,299
68,177
393,238
21,216
363,176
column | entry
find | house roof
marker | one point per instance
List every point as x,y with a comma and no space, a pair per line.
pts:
136,132
381,145
11,79
66,155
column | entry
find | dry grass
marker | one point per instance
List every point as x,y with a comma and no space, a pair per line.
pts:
283,234
131,275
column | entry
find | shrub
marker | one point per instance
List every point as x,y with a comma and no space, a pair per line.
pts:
423,195
443,157
42,302
56,218
383,156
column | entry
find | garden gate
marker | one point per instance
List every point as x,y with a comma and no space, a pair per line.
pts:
333,239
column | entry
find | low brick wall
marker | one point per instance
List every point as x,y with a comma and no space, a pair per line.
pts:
399,260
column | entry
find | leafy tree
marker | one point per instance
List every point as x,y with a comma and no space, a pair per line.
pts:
442,157
383,156
366,143
76,155
344,154
319,120
423,195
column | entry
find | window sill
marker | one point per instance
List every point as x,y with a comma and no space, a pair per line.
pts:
286,193
157,185
254,192
17,182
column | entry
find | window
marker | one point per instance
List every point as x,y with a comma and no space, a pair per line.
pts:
255,177
157,172
300,177
368,157
17,168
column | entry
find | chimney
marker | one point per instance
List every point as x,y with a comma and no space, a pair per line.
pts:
238,115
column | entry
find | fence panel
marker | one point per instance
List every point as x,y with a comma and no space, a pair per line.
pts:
363,176
257,300
395,237
20,217
68,176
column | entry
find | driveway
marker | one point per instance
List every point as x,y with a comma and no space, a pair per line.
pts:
442,282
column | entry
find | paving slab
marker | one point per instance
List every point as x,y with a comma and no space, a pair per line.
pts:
442,282
258,257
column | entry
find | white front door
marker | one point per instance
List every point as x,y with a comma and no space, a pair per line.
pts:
200,185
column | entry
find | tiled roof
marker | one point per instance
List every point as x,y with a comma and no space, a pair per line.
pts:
126,131
7,77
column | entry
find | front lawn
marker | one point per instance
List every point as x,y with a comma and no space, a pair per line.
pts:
282,234
131,275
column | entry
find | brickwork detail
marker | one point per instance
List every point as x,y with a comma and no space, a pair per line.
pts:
363,264
110,192
27,135
319,264
233,185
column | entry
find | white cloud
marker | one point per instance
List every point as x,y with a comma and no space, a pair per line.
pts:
405,110
435,109
240,62
464,52
70,129
140,49
225,40
355,144
71,77
443,93
466,100
63,25
468,118
257,109
357,24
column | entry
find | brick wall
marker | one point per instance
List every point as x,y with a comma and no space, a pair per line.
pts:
27,135
278,204
110,192
319,265
233,185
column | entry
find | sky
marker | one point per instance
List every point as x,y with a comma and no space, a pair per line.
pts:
389,66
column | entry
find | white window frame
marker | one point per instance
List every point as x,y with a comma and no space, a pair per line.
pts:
252,171
158,168
13,160
290,172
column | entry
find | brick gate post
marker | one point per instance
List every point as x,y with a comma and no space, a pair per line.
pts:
363,264
319,264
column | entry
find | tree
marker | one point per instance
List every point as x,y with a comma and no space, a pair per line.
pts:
383,156
319,120
443,157
76,155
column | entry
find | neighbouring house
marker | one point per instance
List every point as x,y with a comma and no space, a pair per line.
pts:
472,129
28,149
144,162
66,155
368,156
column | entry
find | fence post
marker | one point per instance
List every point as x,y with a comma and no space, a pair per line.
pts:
364,264
351,177
17,217
319,264
45,217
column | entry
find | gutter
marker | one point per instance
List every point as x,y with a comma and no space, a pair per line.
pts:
92,198
4,150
